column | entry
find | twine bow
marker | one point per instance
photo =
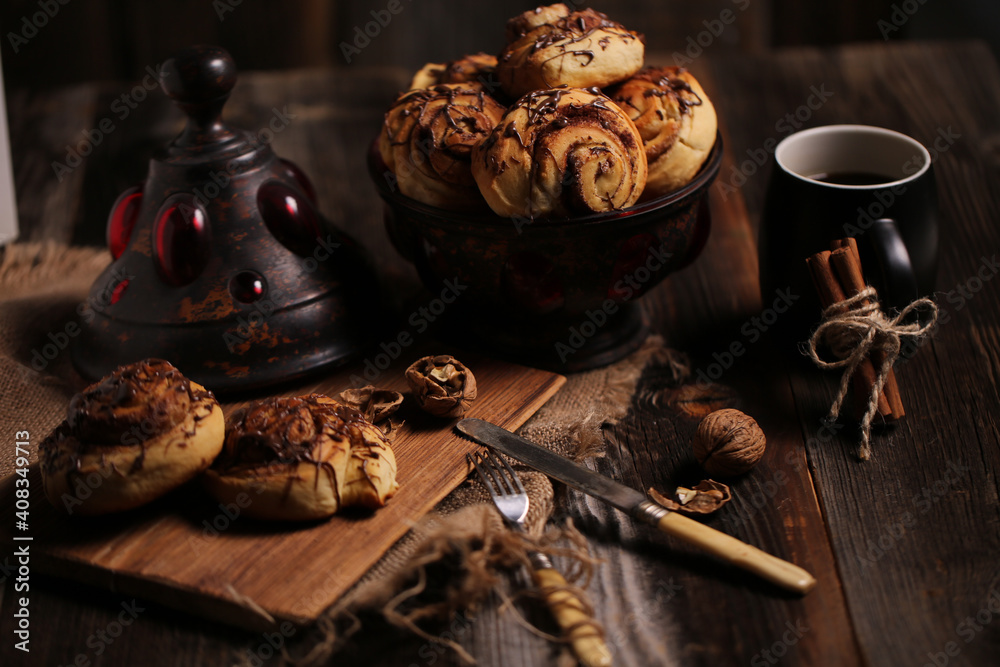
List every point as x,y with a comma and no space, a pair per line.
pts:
854,329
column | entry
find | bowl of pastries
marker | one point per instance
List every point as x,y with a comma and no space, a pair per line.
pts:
555,182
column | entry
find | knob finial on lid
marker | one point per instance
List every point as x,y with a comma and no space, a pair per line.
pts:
199,80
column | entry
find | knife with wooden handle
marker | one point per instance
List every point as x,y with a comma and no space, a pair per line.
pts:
635,504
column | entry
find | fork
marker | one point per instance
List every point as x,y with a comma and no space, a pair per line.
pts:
510,498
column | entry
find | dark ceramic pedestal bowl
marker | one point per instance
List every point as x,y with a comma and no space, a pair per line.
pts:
555,293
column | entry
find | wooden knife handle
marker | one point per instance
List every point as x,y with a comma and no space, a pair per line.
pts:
740,554
571,615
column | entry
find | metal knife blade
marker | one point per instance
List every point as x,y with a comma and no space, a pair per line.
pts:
558,467
634,503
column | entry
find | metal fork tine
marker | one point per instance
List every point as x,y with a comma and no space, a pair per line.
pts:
512,503
508,487
487,472
485,469
495,472
482,474
512,476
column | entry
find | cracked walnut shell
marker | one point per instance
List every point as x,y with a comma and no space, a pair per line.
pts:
728,443
442,385
377,405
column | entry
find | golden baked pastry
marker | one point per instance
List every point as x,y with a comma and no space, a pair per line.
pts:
478,67
676,120
558,152
427,139
130,438
520,25
552,46
302,458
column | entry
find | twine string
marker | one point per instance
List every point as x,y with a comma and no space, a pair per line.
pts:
853,329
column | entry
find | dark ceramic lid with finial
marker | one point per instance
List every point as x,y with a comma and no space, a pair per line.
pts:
221,262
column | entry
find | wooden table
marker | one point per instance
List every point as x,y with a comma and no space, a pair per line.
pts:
906,547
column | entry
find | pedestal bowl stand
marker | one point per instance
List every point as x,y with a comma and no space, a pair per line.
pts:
557,293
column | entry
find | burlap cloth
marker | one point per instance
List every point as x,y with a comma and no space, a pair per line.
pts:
448,562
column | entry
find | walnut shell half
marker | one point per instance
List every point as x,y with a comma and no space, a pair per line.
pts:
377,405
442,385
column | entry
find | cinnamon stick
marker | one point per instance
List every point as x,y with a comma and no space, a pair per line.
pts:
848,242
830,292
846,264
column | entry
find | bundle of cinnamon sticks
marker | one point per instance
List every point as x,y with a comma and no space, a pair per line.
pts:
837,275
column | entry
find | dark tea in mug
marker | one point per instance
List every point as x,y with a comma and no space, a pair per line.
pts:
870,183
852,178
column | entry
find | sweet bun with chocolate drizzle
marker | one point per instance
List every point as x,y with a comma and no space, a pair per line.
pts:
560,152
473,68
676,120
427,138
552,46
302,458
130,438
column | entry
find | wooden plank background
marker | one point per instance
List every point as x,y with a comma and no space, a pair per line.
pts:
121,37
905,547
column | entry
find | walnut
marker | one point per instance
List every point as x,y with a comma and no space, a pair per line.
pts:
375,404
442,385
728,443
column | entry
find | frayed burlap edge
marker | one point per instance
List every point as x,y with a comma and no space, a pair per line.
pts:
40,286
465,535
37,266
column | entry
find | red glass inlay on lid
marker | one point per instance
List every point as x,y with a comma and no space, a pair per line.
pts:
300,177
291,219
118,291
247,286
121,221
181,243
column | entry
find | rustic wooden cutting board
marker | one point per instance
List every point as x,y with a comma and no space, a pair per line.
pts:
188,552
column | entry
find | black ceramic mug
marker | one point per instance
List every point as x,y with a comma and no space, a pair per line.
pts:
835,181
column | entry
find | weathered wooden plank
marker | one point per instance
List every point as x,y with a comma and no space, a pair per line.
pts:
934,555
913,565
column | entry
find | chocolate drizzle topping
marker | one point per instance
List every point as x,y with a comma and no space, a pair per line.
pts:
128,408
570,34
470,68
144,391
448,119
287,430
554,110
577,27
667,82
